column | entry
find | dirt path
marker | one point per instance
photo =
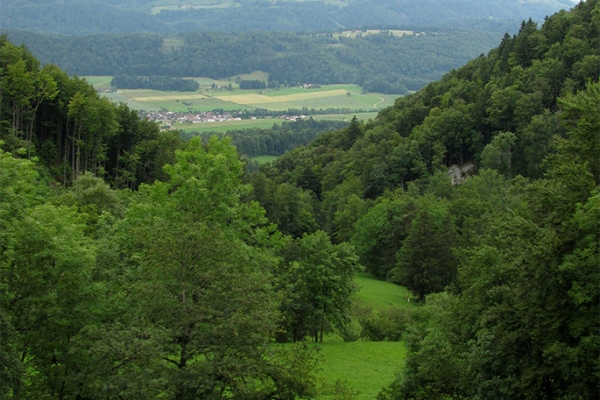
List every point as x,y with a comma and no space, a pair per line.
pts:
380,101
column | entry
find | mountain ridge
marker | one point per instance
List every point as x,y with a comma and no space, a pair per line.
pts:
77,17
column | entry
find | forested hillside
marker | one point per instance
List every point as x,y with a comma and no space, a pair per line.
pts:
136,264
480,194
378,62
132,264
84,17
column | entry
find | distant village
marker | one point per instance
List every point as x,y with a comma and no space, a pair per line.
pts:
166,119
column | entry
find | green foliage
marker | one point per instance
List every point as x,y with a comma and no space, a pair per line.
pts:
379,234
72,128
519,323
316,278
426,263
178,289
278,139
388,324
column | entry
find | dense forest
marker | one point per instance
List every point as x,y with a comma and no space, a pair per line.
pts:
480,194
84,17
137,264
89,308
378,62
278,139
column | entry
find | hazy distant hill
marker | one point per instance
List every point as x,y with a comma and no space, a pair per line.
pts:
160,16
379,62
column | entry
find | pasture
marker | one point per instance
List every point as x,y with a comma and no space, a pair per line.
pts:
227,125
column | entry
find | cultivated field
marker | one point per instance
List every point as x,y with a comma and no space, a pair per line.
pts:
227,125
208,98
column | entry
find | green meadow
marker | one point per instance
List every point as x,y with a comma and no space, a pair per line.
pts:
227,125
381,295
264,159
365,367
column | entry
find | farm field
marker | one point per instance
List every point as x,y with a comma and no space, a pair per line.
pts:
227,125
206,99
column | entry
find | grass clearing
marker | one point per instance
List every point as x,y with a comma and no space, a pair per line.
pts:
254,76
381,295
97,81
366,367
264,159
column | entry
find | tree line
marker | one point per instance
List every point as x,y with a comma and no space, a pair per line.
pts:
274,141
154,82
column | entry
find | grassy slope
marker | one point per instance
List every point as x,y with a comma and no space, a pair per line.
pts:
366,367
379,294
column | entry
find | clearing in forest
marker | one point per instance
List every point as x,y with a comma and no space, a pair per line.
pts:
366,367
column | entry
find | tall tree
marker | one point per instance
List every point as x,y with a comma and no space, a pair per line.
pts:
317,281
205,279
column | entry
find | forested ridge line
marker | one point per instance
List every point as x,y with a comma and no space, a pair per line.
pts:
378,62
179,288
83,17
